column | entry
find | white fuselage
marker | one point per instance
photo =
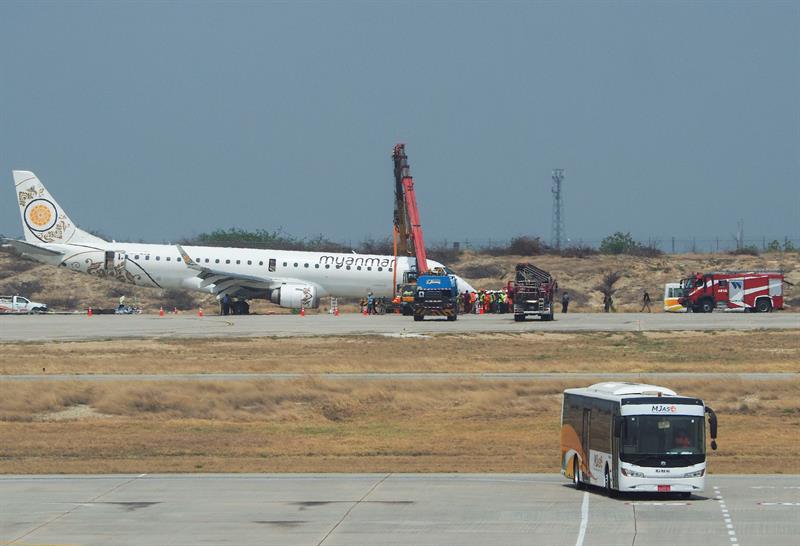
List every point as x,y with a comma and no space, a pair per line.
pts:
333,274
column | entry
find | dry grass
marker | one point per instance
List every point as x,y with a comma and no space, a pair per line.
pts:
759,351
341,426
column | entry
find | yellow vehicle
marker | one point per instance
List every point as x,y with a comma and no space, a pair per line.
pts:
673,291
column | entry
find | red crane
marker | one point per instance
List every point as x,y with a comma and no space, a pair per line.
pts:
406,214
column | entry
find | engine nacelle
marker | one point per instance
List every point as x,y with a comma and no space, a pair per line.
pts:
295,296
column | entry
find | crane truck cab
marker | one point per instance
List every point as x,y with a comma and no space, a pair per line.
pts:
436,295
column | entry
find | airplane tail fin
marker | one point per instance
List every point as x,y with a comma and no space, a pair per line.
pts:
43,219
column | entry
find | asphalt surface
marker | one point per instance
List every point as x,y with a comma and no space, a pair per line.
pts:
82,327
386,509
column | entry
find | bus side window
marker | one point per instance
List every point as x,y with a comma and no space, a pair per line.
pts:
272,264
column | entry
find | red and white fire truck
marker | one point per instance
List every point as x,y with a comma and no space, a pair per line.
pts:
757,291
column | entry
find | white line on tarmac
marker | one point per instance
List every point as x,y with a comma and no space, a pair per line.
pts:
584,519
726,516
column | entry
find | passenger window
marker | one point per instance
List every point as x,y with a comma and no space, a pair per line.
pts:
380,269
348,268
136,257
369,268
238,262
316,266
295,264
390,269
169,259
227,261
249,262
206,260
158,258
305,265
284,264
260,263
147,257
358,267
216,261
272,264
327,266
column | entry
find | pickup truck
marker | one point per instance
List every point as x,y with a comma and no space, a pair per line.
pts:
18,304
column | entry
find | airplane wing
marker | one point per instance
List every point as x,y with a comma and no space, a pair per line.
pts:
30,249
223,281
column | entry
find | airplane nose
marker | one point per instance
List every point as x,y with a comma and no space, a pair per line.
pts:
463,286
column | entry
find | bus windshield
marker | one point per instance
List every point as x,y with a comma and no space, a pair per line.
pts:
659,435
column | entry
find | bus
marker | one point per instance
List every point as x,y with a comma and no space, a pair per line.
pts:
629,437
672,293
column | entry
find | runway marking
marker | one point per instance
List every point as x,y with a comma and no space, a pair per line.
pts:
726,516
359,501
18,540
584,519
775,487
778,503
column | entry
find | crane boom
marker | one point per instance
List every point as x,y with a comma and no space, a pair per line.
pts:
402,234
408,222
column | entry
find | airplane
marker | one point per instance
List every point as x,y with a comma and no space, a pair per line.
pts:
291,279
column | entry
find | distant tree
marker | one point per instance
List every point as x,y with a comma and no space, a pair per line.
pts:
623,243
618,243
774,246
788,246
606,286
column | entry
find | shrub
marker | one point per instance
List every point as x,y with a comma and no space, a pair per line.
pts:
745,251
179,299
623,243
483,271
579,251
21,288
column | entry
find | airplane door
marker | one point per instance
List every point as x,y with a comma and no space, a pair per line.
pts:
114,260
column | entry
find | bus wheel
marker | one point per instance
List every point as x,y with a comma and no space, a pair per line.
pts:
609,490
576,473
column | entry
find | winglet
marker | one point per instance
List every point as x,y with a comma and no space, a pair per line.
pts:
187,259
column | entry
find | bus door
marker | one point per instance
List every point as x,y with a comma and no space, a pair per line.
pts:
586,426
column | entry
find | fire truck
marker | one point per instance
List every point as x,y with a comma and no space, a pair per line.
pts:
533,291
756,291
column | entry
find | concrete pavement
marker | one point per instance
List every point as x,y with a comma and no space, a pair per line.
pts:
386,509
81,327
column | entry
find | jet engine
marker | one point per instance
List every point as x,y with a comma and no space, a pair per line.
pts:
295,296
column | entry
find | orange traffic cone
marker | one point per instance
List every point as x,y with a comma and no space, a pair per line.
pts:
302,311
161,311
89,312
480,310
336,312
200,312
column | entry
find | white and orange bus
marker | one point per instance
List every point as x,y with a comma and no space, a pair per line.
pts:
635,438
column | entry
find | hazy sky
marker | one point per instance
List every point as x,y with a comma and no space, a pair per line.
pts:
161,120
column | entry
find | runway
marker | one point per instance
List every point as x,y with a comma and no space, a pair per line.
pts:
412,376
386,509
81,327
